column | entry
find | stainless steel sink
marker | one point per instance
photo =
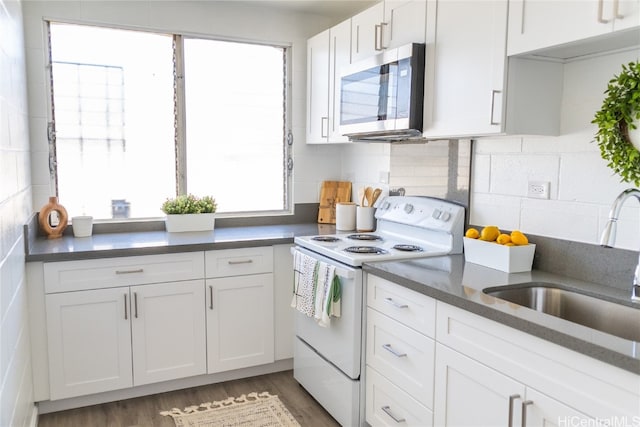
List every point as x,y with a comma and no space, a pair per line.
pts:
610,317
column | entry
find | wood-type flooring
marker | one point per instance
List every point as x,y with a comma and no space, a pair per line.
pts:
145,411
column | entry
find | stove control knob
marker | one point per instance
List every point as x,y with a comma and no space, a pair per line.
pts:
436,214
445,216
408,208
385,206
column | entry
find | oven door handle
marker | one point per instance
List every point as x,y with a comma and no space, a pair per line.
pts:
341,272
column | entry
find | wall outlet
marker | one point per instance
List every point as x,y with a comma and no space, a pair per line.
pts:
538,189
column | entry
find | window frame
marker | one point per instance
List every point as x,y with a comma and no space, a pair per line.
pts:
180,142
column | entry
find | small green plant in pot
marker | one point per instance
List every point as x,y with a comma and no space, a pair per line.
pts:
618,117
189,213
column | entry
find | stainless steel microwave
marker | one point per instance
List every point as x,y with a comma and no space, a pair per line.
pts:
381,98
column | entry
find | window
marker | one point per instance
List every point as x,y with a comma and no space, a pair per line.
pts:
190,115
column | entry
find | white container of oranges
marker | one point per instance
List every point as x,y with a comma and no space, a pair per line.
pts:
511,253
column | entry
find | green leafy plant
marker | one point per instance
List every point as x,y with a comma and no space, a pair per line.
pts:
189,204
619,113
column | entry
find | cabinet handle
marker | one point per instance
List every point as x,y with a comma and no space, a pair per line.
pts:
387,410
392,351
512,398
135,304
324,127
600,12
395,304
138,270
378,36
616,10
210,297
244,261
493,104
126,316
525,404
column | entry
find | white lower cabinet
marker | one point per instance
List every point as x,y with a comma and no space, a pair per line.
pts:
399,356
472,394
108,339
240,319
430,363
240,322
89,338
168,331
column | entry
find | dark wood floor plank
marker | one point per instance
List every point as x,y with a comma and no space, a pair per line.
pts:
145,411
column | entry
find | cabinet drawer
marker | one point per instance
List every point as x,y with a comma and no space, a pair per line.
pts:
404,305
402,355
387,405
113,272
239,262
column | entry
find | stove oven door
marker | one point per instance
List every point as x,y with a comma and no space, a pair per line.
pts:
339,343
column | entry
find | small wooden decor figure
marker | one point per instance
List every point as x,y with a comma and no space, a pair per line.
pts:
44,218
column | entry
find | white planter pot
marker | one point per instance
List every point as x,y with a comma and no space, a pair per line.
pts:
190,222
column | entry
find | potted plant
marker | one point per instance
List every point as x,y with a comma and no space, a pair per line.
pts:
618,120
189,213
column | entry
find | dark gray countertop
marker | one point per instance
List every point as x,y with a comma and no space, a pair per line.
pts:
109,245
451,280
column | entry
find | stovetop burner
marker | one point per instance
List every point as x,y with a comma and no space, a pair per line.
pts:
369,237
326,239
408,248
365,250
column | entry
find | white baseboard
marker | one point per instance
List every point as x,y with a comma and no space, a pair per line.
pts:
47,406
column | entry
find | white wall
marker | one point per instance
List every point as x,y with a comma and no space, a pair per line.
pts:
16,391
582,188
313,164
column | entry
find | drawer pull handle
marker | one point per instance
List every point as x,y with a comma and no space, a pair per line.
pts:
387,410
512,398
244,261
210,297
392,351
126,316
138,270
601,20
395,304
524,411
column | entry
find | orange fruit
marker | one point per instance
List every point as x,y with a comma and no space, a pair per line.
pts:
472,233
518,238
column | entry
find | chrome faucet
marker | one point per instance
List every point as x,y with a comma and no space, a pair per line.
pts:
609,235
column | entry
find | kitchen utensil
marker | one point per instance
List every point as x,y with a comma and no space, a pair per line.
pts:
374,196
368,193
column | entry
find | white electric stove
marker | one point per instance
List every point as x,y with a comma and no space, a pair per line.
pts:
329,362
407,227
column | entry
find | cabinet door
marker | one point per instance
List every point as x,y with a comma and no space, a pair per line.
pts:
168,327
542,410
318,88
540,24
468,393
366,32
89,340
405,22
239,322
468,71
339,56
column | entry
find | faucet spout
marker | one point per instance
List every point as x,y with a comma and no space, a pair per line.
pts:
608,237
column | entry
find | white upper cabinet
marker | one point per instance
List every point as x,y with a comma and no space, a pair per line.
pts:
318,88
535,25
386,25
339,56
471,89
